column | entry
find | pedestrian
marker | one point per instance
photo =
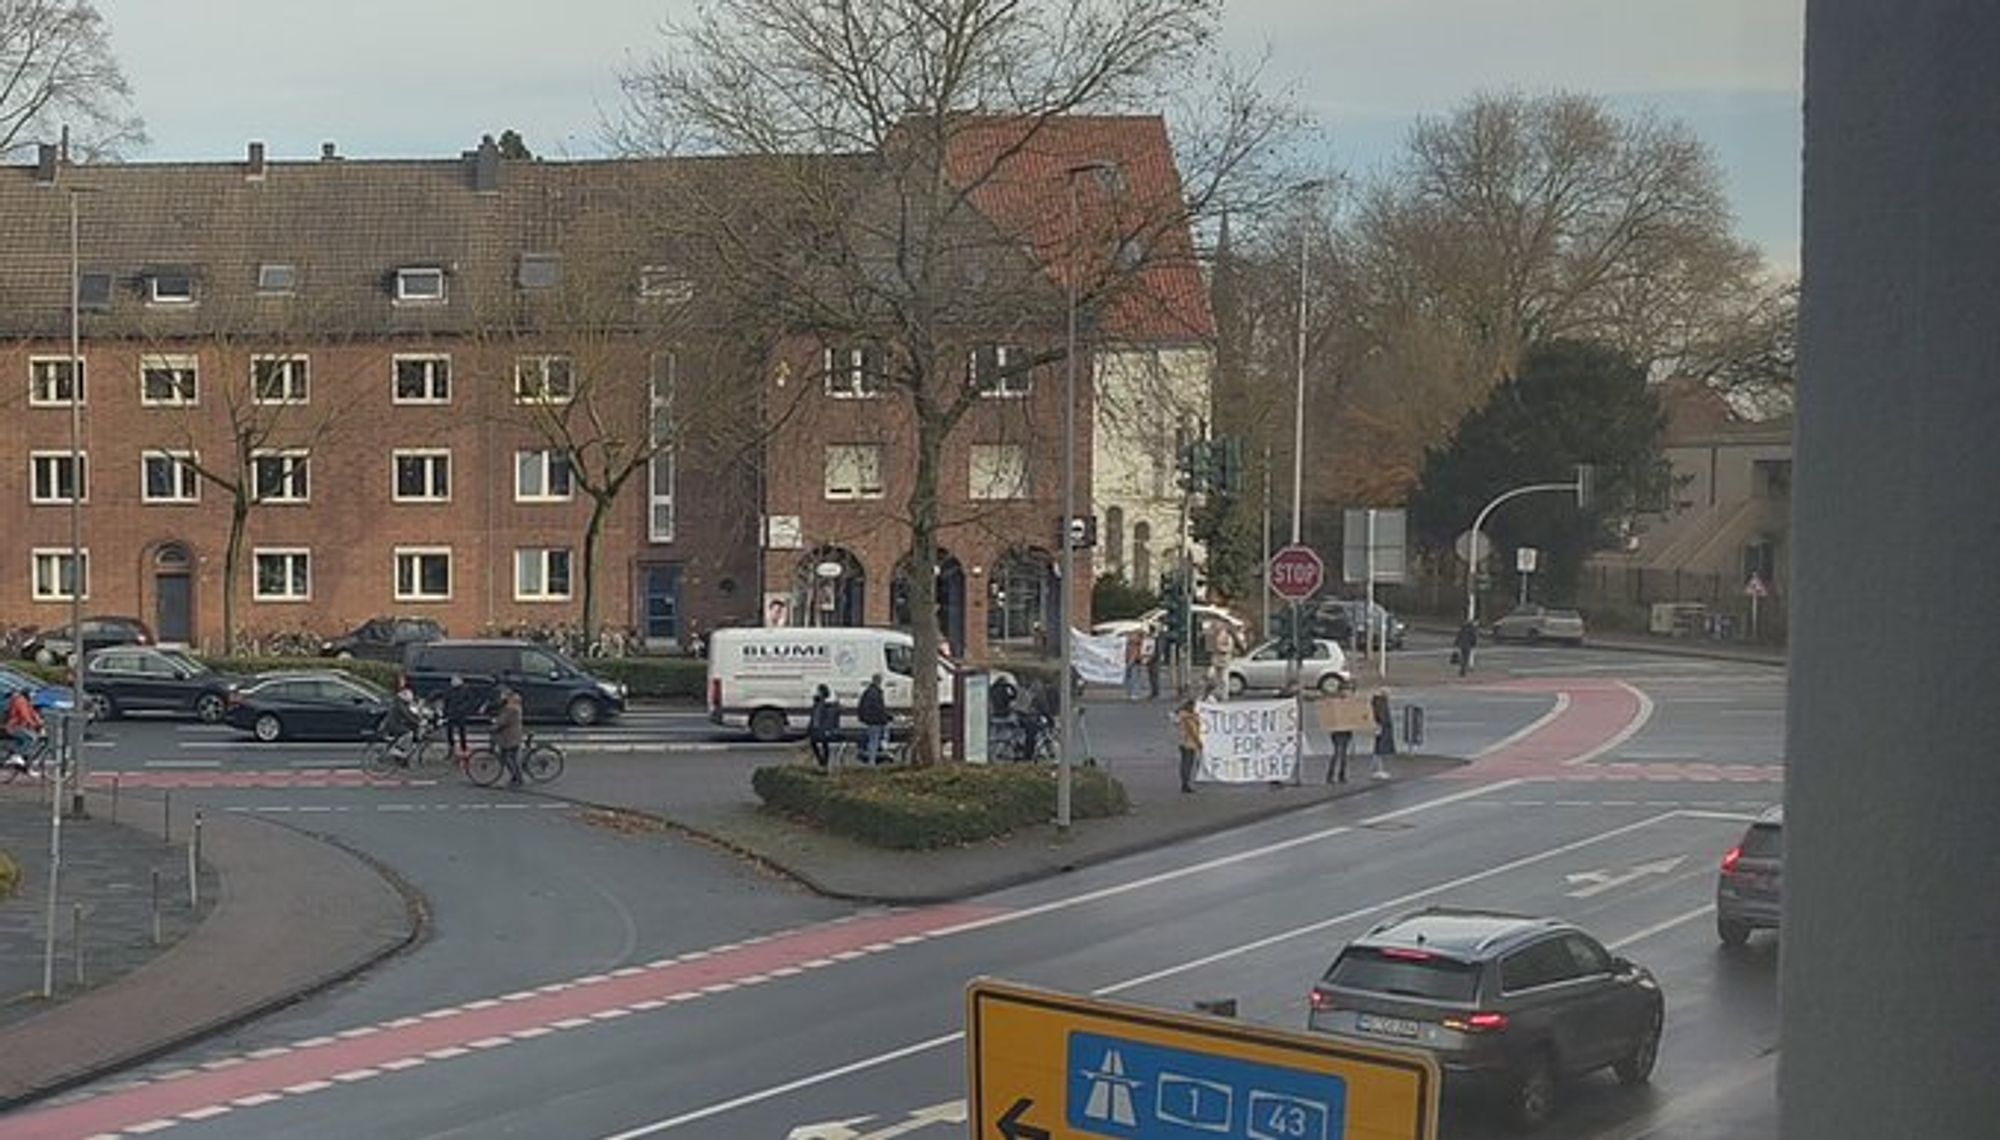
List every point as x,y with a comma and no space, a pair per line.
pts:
1150,650
823,727
1187,723
1343,740
508,734
1463,645
1385,734
873,712
459,704
1135,663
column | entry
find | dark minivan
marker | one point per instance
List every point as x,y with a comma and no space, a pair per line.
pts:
551,686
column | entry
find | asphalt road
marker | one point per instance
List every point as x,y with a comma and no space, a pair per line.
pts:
591,983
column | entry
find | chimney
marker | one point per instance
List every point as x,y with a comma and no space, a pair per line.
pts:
254,168
328,152
45,164
486,166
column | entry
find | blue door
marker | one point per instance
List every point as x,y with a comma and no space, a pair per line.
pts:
661,606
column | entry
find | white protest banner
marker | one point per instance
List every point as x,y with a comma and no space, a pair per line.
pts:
1100,660
1248,742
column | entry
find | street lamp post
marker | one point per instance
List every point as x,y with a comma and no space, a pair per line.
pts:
1310,187
1065,762
1579,488
72,734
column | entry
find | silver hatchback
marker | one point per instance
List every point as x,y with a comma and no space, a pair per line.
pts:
1749,888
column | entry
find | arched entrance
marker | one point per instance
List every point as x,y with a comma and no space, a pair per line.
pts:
173,593
950,598
830,588
1023,601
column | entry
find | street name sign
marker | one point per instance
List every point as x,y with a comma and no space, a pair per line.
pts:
1296,573
1043,1065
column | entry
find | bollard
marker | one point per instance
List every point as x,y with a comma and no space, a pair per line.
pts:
1413,725
76,939
167,818
194,880
197,838
114,797
156,906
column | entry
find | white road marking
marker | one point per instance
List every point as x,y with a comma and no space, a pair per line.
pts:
1659,927
180,764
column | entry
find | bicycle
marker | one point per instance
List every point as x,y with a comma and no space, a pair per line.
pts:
408,751
541,762
36,761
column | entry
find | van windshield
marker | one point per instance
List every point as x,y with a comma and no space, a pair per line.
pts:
900,659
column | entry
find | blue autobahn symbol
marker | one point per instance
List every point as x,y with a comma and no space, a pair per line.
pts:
1139,1091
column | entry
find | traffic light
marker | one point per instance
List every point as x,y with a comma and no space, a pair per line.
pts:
1226,469
1288,629
1174,599
1197,465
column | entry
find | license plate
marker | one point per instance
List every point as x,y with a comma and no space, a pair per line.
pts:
1387,1026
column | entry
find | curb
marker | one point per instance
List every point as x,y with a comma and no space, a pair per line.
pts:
1010,879
415,908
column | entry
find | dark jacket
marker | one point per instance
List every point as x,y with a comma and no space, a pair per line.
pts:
461,703
874,707
1468,637
1385,726
1001,698
825,722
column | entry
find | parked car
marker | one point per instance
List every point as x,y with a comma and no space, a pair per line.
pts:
139,678
314,705
1500,999
52,646
1749,888
1348,620
1322,666
44,696
552,687
763,679
382,638
1540,623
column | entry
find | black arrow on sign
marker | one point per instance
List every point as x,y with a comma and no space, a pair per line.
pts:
1012,1127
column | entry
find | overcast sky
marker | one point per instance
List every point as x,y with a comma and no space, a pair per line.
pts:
424,78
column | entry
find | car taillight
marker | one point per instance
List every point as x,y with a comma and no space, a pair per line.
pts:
1730,860
1478,1023
1321,1001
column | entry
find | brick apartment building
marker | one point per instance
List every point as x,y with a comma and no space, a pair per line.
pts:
416,371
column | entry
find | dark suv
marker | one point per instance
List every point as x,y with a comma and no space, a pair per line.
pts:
1518,1001
52,646
138,678
552,687
1749,889
383,638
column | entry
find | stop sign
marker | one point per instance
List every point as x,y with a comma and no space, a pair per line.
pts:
1296,572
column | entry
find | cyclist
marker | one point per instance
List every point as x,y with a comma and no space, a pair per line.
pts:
24,727
460,703
404,718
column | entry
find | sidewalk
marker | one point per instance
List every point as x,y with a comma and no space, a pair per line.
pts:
282,915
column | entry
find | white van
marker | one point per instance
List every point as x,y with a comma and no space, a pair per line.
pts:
763,679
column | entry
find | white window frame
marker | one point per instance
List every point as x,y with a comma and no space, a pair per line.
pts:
846,369
539,272
48,370
853,452
406,281
295,558
175,364
417,554
277,279
661,470
665,284
295,369
57,461
983,483
184,476
535,367
436,374
154,295
432,456
298,470
1005,386
549,457
540,558
56,557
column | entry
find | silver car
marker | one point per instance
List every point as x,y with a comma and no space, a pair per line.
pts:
1323,667
1540,623
1749,890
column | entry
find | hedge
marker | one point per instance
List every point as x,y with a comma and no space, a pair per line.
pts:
654,676
938,806
644,676
10,875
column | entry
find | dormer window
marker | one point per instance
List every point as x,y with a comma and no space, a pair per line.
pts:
170,287
419,285
277,280
93,291
665,284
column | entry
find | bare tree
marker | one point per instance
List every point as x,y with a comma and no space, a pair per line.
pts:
57,71
882,123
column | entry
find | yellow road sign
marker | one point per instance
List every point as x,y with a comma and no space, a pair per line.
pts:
1049,1066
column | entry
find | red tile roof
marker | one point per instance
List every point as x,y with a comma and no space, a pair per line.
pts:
1018,171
